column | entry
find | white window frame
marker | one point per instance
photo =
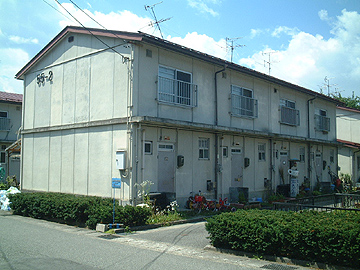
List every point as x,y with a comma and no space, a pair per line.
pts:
7,114
150,143
332,156
175,91
204,148
243,105
261,151
302,154
166,147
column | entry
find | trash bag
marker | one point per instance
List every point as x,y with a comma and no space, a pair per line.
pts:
4,198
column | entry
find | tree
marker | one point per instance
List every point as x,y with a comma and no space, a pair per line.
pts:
351,102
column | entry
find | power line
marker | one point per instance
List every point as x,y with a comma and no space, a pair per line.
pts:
57,10
111,48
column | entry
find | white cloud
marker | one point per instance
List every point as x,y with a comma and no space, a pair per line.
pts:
286,30
123,20
21,40
202,43
11,59
323,14
255,32
203,7
307,58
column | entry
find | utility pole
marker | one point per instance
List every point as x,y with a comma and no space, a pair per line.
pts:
156,22
268,62
230,43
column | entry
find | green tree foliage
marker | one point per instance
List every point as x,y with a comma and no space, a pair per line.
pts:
351,102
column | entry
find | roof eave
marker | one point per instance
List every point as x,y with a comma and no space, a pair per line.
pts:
76,29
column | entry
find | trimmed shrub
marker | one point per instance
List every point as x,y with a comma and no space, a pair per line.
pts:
329,237
76,210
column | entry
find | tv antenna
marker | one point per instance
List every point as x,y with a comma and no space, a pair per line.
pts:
328,85
156,22
269,62
230,44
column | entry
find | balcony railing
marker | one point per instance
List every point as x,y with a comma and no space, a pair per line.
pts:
289,116
177,92
244,106
322,123
4,123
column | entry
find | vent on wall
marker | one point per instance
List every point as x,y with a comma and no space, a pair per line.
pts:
148,53
70,39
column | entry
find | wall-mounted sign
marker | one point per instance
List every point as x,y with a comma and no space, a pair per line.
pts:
42,78
116,183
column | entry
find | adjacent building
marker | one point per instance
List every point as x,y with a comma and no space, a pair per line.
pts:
348,133
10,122
102,104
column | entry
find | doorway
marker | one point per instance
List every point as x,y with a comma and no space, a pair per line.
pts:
237,163
166,168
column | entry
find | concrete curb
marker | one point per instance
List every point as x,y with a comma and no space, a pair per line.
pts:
285,260
105,227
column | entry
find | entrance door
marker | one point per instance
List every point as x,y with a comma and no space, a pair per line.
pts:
166,168
237,162
283,167
318,166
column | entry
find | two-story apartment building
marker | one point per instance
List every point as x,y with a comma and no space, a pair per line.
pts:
10,122
102,104
348,133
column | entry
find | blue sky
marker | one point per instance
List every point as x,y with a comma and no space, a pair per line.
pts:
307,40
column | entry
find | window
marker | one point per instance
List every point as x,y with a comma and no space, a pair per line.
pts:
166,147
332,155
261,151
322,122
175,86
236,151
288,114
225,151
2,157
358,163
148,53
203,148
302,154
242,102
4,121
148,147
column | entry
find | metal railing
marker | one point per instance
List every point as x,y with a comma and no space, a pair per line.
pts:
289,116
177,92
244,106
322,122
4,123
329,202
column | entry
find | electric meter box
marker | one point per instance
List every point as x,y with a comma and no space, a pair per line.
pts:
121,159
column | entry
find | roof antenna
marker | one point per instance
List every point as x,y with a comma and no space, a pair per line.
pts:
230,44
269,62
156,22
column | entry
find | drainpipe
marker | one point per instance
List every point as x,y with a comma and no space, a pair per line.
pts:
216,135
308,135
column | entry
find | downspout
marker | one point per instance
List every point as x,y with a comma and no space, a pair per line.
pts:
308,135
216,135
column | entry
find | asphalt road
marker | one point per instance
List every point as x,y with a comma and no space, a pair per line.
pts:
27,243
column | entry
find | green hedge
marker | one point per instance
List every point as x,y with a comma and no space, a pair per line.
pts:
332,237
78,210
